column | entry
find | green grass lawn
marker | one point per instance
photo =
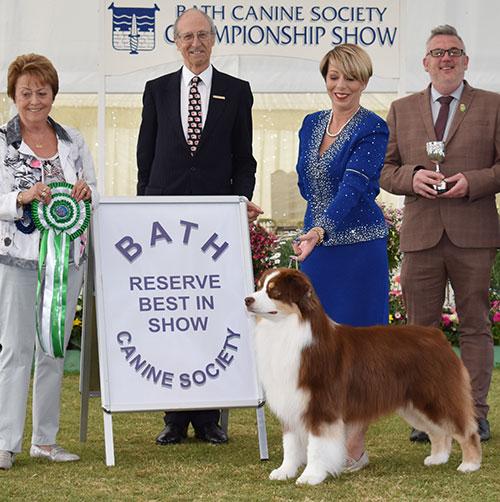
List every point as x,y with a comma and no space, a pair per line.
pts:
195,471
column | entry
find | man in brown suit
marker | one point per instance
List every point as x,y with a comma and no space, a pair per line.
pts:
454,235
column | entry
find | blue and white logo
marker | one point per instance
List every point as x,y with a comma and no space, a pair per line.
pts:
133,28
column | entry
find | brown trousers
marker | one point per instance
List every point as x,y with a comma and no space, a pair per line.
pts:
424,275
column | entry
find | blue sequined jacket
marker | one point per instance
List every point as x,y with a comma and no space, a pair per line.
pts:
340,186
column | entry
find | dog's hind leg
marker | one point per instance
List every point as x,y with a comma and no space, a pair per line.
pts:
294,455
439,437
440,448
471,452
325,454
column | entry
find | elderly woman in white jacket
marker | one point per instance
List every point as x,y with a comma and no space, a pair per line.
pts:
34,152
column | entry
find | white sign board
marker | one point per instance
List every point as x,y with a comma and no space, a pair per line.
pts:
171,277
140,33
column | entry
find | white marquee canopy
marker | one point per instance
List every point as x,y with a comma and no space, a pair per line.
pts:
69,33
76,35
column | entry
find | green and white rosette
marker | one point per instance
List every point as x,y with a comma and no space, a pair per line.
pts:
59,222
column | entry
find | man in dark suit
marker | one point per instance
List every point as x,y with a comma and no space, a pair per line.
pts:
454,235
196,139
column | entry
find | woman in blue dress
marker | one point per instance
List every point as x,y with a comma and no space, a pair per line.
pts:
343,248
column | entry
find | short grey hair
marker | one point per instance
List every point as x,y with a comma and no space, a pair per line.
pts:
445,29
207,17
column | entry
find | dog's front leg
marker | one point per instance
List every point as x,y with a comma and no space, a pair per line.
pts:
325,454
294,456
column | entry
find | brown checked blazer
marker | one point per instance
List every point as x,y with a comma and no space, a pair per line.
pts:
472,148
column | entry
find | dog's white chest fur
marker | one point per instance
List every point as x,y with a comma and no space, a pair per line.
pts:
314,431
278,348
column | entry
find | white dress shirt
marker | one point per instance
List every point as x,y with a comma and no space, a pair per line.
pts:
436,105
204,86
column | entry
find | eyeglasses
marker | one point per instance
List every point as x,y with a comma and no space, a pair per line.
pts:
439,53
202,36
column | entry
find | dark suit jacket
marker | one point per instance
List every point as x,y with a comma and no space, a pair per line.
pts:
223,163
472,148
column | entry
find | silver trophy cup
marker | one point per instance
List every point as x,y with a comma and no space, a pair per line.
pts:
435,152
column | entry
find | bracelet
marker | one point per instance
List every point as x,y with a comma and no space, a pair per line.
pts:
321,234
19,199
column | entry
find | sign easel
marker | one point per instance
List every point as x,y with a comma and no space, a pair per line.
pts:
168,276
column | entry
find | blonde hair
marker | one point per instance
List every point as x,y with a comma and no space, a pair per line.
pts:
36,66
353,61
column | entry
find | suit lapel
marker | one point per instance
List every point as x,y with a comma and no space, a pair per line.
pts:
171,98
463,106
425,110
217,102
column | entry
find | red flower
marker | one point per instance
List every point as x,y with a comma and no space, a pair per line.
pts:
263,244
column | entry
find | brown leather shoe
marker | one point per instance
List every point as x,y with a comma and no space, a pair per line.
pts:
171,434
210,433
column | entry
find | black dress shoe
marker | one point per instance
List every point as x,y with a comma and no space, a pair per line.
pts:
419,436
483,429
211,433
171,434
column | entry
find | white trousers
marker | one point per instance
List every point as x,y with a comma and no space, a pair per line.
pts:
18,341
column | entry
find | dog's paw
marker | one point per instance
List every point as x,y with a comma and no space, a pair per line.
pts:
468,467
440,458
312,477
282,473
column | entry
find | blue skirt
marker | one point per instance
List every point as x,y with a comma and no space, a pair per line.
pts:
351,281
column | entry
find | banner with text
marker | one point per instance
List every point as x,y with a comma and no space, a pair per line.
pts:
139,33
171,277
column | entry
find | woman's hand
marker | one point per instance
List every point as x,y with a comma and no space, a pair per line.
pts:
39,191
304,244
81,191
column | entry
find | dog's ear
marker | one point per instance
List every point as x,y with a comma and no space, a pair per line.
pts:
299,288
304,295
307,300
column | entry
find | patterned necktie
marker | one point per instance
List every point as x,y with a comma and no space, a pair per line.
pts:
194,116
442,118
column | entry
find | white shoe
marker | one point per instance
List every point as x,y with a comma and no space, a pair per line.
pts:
6,459
56,453
352,465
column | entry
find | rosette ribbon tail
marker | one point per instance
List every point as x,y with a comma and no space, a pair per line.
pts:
59,222
52,291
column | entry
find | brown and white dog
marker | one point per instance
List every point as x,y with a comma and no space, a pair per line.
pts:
321,378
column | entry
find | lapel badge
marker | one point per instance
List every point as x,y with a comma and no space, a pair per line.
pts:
218,97
462,107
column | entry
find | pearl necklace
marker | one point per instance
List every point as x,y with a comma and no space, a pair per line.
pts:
342,128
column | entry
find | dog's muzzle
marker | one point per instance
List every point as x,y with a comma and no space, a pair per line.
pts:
249,301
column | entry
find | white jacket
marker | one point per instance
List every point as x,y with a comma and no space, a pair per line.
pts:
16,174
